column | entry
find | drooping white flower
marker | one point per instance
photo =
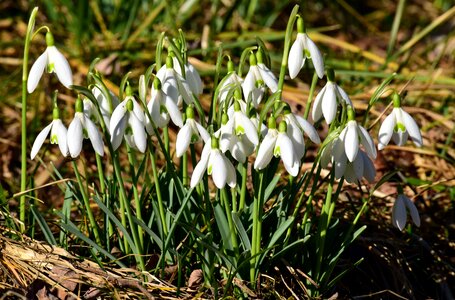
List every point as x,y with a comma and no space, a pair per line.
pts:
398,126
229,84
128,121
355,135
258,75
216,164
173,84
191,132
326,102
161,106
58,135
54,61
399,214
82,127
296,127
277,143
106,105
191,75
303,48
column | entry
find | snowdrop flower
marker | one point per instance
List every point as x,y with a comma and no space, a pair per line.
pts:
296,126
191,75
303,48
173,84
354,135
327,100
277,143
82,127
58,134
54,61
161,106
398,126
401,205
257,76
228,83
107,105
216,164
191,132
128,121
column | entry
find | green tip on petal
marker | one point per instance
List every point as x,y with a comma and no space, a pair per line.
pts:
396,98
330,74
300,25
253,61
49,39
271,123
130,105
399,127
157,84
215,143
230,66
190,112
283,126
128,90
79,104
351,114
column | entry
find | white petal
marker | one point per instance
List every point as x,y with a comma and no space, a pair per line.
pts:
200,168
75,137
183,140
400,137
399,212
203,132
286,149
139,135
248,127
386,131
40,140
62,133
369,171
174,112
231,174
309,130
296,58
316,113
316,57
137,110
329,103
412,128
185,90
194,79
94,136
170,87
351,141
219,169
61,66
344,96
340,166
367,142
268,77
36,72
265,152
413,211
358,167
248,85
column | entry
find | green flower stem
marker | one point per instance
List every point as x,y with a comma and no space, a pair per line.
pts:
158,192
99,165
137,199
166,138
31,25
310,96
185,179
257,228
232,230
287,46
91,218
324,221
243,188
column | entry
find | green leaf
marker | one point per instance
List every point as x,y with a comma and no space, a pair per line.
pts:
43,225
241,230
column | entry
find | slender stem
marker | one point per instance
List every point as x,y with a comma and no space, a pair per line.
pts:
243,189
99,165
91,218
158,193
137,199
228,210
257,228
31,24
310,96
185,169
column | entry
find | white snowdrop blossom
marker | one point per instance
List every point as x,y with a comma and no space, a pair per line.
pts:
216,164
355,135
58,135
128,121
191,75
54,61
296,127
398,126
106,105
161,106
83,127
277,143
230,82
399,212
303,48
257,76
173,84
326,102
191,132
